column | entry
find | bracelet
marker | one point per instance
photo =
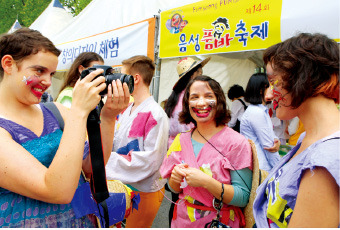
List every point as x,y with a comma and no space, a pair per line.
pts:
217,204
222,192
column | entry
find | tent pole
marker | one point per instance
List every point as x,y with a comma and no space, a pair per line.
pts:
156,78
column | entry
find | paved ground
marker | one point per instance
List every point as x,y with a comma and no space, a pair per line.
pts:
161,220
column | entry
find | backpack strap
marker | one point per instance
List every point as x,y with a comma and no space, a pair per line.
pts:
244,104
53,108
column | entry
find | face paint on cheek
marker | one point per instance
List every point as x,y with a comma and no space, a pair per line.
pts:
30,80
211,103
277,98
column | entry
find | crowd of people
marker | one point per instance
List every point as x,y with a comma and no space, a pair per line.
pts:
196,148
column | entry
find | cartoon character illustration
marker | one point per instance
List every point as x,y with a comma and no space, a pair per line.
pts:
220,25
176,23
176,19
182,25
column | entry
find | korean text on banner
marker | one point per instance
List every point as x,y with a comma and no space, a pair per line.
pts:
219,26
114,45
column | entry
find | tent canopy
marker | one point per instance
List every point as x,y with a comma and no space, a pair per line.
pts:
228,68
16,25
103,15
52,20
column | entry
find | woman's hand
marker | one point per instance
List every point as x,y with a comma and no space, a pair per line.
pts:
275,147
195,177
86,92
178,174
118,97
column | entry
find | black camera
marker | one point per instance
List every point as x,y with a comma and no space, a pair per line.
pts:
110,76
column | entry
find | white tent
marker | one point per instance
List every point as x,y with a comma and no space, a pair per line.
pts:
104,15
16,25
52,20
227,68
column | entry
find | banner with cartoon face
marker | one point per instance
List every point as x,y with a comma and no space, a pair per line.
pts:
219,26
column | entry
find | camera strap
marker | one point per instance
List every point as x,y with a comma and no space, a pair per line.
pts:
98,178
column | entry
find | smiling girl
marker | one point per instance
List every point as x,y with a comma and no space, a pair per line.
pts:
209,164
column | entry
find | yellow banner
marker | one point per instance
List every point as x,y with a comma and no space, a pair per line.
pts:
219,26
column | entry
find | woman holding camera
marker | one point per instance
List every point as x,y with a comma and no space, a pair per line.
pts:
83,61
40,164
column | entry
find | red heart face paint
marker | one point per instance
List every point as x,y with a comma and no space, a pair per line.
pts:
33,82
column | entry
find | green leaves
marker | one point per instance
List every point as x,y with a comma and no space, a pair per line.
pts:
27,11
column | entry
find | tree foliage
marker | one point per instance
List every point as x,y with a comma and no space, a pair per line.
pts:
27,11
75,6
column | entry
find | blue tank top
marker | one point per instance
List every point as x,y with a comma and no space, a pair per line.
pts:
20,211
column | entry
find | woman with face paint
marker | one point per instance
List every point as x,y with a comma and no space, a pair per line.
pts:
187,69
302,191
256,123
40,165
211,163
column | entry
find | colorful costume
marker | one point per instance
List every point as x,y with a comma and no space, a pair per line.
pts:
175,126
276,196
140,144
194,208
139,147
20,211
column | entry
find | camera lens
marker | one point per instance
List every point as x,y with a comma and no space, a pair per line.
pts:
110,76
128,79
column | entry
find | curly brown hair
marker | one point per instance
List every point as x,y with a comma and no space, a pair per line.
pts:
309,66
222,116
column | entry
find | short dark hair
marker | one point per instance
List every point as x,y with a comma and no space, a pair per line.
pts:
23,43
222,113
235,91
256,87
308,64
142,65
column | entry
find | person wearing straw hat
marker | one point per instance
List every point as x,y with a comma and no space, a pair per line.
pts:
187,68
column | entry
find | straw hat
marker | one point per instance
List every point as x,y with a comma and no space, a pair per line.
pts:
185,65
257,176
116,186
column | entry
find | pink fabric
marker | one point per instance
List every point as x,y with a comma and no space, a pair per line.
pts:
138,130
237,155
